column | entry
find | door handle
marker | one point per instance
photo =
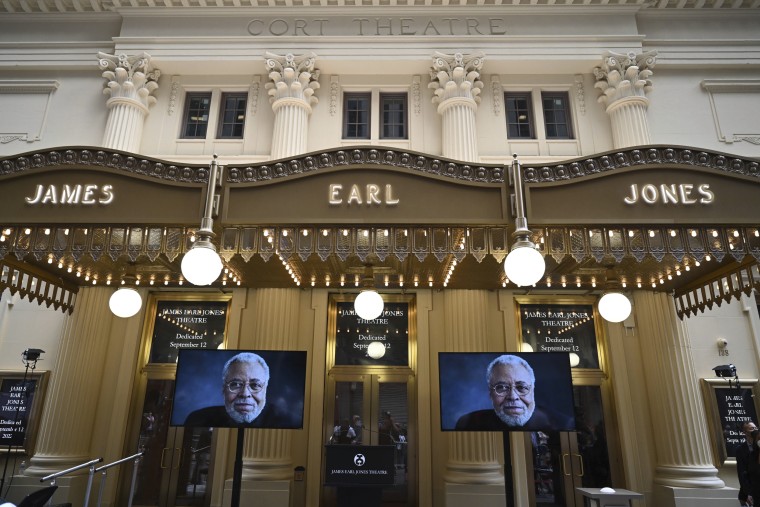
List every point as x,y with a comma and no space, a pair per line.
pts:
163,454
564,465
580,462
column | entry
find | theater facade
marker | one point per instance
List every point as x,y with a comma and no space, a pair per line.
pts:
323,149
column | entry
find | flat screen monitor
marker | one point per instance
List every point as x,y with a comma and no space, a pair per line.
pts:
230,389
525,391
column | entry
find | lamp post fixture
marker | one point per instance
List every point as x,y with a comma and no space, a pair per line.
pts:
201,265
524,264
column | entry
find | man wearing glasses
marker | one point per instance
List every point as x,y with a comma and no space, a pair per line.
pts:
511,386
245,377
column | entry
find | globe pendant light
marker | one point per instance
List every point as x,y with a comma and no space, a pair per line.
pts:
376,350
614,306
368,305
125,302
202,265
524,265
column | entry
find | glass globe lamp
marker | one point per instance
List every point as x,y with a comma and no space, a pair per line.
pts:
201,265
368,305
524,266
125,302
614,307
376,350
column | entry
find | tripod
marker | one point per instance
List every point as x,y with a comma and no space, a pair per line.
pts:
29,357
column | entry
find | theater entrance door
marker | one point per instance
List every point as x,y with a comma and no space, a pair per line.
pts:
371,397
564,461
176,468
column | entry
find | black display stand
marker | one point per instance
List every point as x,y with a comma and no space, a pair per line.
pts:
509,487
237,474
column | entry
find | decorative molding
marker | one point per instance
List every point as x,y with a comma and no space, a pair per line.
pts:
253,95
334,94
36,285
621,76
130,77
580,95
293,77
35,123
363,156
716,87
173,95
641,157
498,94
416,95
95,157
107,7
456,76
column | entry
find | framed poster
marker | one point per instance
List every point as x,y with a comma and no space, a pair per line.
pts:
729,404
186,322
21,401
567,325
384,342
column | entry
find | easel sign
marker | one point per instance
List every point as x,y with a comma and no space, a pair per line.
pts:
729,404
20,409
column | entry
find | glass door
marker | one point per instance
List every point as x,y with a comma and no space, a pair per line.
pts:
373,409
563,461
176,465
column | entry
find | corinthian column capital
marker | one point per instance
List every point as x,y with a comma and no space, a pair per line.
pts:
130,78
456,76
293,77
622,76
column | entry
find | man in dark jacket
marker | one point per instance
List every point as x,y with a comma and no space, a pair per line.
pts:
742,453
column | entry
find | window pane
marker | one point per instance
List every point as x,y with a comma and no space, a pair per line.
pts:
197,106
393,116
519,115
356,115
232,115
556,115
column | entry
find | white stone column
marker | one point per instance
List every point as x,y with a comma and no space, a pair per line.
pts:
624,81
68,417
473,456
131,80
680,429
456,81
291,93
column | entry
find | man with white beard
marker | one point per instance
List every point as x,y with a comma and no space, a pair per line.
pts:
511,386
245,378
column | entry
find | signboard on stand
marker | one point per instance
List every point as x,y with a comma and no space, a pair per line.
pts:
21,399
729,404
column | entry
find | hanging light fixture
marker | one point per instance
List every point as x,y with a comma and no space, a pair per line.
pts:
201,265
369,303
376,350
524,264
614,306
126,301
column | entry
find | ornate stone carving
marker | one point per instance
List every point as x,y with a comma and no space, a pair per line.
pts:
130,77
253,95
580,95
293,77
334,94
498,93
173,94
416,95
622,76
456,76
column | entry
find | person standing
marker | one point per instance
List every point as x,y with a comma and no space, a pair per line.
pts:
742,453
